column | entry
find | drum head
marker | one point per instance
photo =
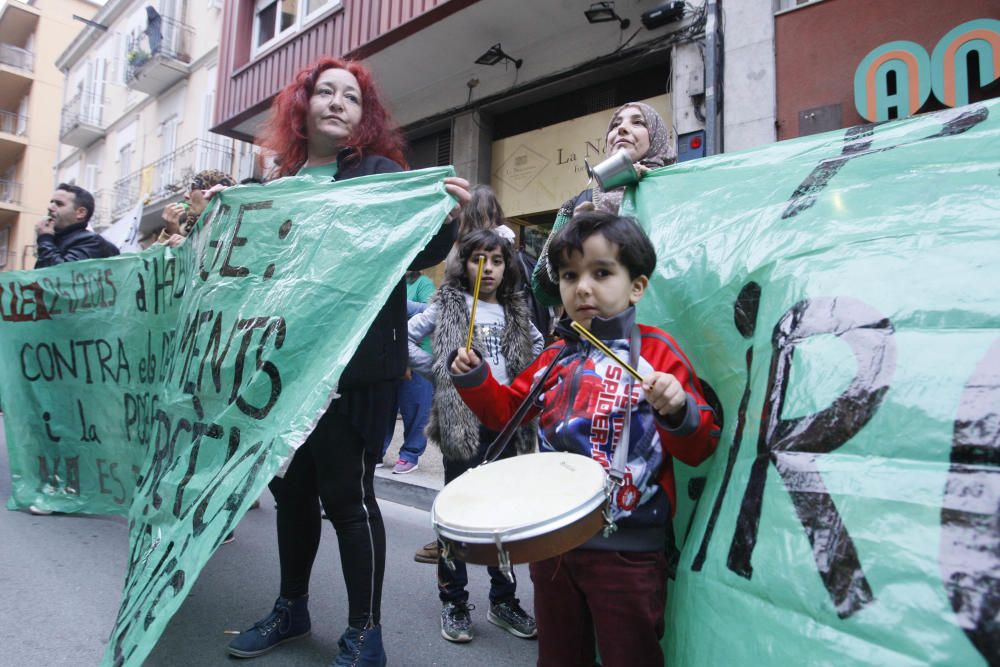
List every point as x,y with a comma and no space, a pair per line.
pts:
532,490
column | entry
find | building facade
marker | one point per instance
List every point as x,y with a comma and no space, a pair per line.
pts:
841,63
31,37
514,94
770,69
137,103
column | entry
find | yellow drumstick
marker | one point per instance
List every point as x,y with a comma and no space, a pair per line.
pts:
577,327
475,300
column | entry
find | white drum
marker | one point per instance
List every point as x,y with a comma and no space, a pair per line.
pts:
521,509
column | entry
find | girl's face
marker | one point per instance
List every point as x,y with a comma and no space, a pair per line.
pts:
334,112
493,268
629,131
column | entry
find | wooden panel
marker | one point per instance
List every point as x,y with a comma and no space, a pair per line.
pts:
243,87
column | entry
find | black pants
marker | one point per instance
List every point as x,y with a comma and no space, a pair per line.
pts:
451,584
334,467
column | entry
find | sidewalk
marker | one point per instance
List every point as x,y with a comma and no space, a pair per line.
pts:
417,488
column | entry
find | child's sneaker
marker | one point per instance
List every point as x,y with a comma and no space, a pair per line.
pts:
509,616
456,623
403,466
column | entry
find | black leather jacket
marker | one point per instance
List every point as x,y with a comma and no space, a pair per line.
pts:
383,353
70,244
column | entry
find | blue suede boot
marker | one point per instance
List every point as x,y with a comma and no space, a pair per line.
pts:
361,648
287,621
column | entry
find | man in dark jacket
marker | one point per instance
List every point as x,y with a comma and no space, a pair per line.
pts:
63,236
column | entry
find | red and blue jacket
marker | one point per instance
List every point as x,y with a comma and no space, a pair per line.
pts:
582,409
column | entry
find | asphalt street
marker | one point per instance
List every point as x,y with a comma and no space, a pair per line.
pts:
61,577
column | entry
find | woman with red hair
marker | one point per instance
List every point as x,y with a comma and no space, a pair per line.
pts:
329,122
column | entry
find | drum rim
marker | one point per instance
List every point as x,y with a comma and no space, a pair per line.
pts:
521,532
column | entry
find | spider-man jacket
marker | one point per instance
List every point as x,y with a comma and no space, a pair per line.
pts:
582,408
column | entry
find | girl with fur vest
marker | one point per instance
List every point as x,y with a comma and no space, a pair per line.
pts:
504,333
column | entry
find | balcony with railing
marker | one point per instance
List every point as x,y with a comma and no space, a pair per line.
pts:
17,57
16,65
10,192
13,123
158,56
82,120
13,139
168,177
10,201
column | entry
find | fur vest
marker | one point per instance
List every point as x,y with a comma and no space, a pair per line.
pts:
451,424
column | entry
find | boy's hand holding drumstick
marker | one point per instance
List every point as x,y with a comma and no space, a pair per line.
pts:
663,391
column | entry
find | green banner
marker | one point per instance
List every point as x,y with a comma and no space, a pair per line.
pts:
838,293
841,295
169,386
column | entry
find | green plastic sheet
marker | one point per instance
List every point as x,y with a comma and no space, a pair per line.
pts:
170,386
840,294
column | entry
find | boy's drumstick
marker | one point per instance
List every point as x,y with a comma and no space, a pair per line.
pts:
475,300
577,327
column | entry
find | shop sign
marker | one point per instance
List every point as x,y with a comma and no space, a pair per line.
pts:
944,72
539,170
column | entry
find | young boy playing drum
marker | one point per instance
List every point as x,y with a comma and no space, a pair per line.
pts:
614,585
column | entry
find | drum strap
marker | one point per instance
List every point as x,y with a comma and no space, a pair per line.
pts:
508,431
620,459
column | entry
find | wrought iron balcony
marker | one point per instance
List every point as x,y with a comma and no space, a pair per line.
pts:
170,175
158,56
82,120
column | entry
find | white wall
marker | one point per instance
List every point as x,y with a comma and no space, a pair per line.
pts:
750,100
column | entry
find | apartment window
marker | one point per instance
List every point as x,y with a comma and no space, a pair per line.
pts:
123,189
785,5
167,172
124,161
314,6
92,171
275,19
272,19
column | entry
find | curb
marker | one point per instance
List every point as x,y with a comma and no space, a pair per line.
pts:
405,493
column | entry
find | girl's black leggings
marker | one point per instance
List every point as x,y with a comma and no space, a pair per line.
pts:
333,467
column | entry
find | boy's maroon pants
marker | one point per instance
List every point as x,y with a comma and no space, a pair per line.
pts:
619,595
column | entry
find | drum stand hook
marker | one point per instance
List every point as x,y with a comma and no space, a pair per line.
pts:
503,560
609,488
446,555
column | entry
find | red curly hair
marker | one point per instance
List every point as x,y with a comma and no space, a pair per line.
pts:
284,133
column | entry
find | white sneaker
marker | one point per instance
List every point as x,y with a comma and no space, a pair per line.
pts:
38,511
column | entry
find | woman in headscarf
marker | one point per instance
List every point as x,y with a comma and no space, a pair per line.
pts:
637,129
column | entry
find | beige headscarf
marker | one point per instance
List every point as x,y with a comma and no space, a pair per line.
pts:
544,282
661,153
